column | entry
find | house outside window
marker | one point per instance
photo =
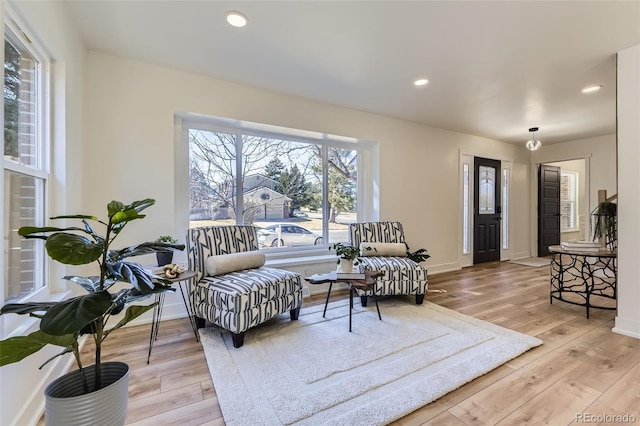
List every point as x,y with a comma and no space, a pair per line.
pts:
24,163
568,201
299,192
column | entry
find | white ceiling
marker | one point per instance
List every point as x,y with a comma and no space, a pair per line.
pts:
495,68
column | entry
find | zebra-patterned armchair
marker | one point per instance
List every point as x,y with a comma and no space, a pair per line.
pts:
402,276
239,299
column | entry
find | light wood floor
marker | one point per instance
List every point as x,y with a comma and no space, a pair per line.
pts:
582,367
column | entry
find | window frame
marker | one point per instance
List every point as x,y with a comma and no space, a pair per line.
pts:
41,169
367,207
576,216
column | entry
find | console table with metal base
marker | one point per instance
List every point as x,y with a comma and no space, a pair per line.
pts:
366,284
587,275
184,279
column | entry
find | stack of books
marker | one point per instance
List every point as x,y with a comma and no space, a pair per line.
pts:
586,246
356,274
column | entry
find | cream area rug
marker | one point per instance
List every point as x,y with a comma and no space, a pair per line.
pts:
314,371
536,262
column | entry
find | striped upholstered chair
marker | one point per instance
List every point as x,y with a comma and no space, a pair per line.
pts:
240,299
402,276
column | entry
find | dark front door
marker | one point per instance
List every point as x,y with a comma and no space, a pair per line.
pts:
486,208
548,208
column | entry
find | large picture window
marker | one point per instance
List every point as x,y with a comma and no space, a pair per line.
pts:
24,163
299,192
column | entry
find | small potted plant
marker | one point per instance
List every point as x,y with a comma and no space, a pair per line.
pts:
165,257
605,227
349,256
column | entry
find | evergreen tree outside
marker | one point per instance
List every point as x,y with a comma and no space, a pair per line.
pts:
12,78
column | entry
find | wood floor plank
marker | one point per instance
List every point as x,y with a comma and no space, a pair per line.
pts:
188,415
439,406
610,363
582,365
445,419
163,403
182,377
492,404
567,397
208,390
621,399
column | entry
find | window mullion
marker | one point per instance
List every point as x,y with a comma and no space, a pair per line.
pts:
325,192
239,175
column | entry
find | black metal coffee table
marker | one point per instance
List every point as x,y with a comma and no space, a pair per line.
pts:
366,284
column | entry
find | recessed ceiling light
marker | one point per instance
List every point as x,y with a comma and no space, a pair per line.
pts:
421,82
236,19
592,89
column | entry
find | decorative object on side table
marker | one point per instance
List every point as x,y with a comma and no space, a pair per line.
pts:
349,256
605,225
165,257
96,394
172,270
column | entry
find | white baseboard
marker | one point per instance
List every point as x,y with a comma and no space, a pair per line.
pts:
443,267
521,255
627,327
171,310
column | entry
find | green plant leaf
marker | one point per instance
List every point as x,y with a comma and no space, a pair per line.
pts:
26,308
89,230
17,348
130,314
72,315
72,249
64,352
133,273
141,249
114,207
141,204
25,231
91,284
125,216
75,216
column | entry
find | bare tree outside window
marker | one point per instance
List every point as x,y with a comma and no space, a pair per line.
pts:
280,181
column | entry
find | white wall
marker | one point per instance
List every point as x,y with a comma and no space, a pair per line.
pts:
130,109
628,318
21,385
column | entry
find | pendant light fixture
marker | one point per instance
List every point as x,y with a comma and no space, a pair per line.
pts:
533,144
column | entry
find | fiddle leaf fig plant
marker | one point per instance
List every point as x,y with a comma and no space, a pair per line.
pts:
63,323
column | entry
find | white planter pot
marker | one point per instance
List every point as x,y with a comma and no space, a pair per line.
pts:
346,265
65,403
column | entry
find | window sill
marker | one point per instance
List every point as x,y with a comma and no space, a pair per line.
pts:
21,325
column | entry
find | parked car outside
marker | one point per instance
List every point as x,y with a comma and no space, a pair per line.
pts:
287,235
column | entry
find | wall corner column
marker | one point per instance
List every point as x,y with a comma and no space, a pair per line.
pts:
628,109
